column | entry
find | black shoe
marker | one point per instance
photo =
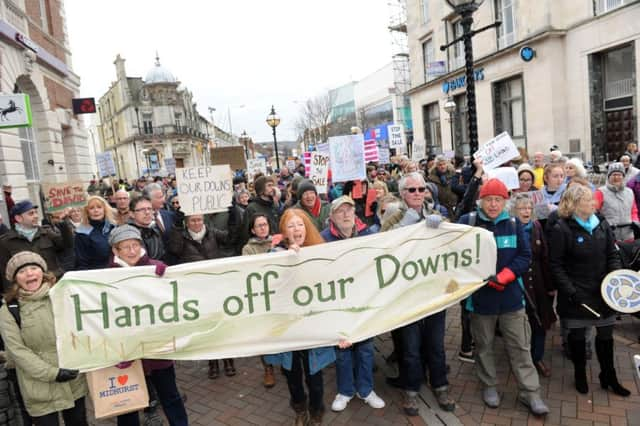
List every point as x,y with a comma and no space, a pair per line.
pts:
395,382
608,377
577,348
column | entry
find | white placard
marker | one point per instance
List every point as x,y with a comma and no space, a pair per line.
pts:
508,176
419,149
204,189
396,136
497,151
255,166
291,165
347,158
105,164
319,171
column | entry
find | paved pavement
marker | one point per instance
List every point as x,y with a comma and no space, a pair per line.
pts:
241,400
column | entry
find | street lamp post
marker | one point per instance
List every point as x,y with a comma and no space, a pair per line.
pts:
450,108
244,139
465,9
273,120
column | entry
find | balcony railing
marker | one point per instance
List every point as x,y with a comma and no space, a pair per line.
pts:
619,89
604,6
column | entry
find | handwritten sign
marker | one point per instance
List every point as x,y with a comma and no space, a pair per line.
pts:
319,171
255,166
507,175
106,167
170,165
291,165
204,189
419,149
396,136
497,151
59,196
347,158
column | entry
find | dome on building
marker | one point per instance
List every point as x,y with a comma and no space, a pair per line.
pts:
159,74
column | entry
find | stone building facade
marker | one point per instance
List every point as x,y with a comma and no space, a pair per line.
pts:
35,59
579,90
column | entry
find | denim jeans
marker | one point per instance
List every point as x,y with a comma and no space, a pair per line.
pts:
355,361
165,383
429,332
300,366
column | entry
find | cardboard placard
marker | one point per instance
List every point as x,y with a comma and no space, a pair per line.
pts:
497,151
255,166
396,136
347,158
319,171
106,167
59,196
233,156
204,189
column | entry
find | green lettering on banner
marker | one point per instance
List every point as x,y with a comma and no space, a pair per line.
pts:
125,319
137,309
173,305
104,310
396,263
191,307
297,300
226,308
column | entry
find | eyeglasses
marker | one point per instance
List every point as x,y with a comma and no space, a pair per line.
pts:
413,190
175,203
261,225
131,247
144,210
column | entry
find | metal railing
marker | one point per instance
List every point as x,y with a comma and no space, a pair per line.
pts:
619,89
604,6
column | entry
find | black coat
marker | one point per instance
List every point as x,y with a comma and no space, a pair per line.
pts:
579,262
537,280
186,249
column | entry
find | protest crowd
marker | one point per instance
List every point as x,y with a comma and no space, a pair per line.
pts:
557,235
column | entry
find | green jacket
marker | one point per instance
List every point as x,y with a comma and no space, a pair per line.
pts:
256,246
322,220
32,348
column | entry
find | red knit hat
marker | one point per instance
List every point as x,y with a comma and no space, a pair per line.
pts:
494,187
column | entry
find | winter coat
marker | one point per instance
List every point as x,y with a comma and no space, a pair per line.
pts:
579,261
92,247
235,224
537,279
448,185
48,242
186,249
433,188
634,185
32,348
513,253
257,246
331,233
266,207
152,241
149,365
320,222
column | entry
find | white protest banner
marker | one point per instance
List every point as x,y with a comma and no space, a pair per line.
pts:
241,306
507,175
204,189
106,167
319,171
497,151
418,149
396,136
347,158
170,165
255,166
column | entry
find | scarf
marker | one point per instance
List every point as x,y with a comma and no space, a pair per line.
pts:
315,210
198,236
40,293
614,188
588,225
124,264
27,233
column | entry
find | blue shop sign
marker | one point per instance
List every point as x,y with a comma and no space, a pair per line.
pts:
460,82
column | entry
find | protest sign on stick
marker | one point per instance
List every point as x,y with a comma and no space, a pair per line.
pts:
347,158
497,151
319,171
255,166
204,189
396,136
59,196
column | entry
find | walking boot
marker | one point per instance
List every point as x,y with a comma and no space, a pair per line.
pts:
302,415
269,380
214,369
608,378
315,419
578,356
229,368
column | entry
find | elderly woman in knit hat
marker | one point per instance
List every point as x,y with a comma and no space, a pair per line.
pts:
128,251
309,202
616,202
26,323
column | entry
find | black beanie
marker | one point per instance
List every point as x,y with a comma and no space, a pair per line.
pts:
304,186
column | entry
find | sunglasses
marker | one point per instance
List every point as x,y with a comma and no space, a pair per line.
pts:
413,190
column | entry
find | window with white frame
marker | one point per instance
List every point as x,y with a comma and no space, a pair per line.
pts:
147,124
431,122
29,154
425,11
506,32
457,61
428,53
44,15
509,110
604,6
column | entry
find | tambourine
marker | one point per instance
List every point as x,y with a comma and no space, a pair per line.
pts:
621,291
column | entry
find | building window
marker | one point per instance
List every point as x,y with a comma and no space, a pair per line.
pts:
508,108
29,154
147,124
461,125
506,32
431,122
425,11
604,6
178,119
429,57
618,78
45,16
457,61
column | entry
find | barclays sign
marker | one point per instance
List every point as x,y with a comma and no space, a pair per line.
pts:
460,82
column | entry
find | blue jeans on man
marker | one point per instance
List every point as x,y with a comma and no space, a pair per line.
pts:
354,369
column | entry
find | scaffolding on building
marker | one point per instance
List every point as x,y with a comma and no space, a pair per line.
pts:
400,59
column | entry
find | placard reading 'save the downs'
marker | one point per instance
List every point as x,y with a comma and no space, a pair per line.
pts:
204,189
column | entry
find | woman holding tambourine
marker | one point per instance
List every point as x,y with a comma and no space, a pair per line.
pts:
582,253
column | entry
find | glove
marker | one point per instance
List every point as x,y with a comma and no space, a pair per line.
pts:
160,268
179,220
433,221
410,217
65,375
492,282
505,276
124,364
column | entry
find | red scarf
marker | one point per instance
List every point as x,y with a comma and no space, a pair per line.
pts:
315,210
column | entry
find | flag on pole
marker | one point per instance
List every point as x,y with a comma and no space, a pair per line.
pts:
370,151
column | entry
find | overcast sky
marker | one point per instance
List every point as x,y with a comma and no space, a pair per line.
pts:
234,55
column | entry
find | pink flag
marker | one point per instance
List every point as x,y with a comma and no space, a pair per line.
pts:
370,151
